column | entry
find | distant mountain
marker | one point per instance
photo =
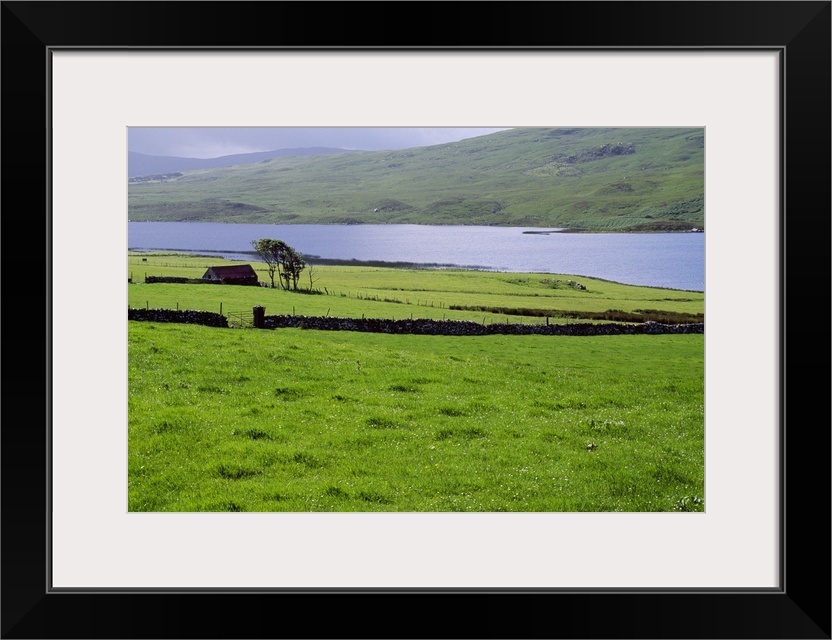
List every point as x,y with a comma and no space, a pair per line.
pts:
601,180
140,164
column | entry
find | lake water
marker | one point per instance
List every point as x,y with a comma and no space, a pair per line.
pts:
670,260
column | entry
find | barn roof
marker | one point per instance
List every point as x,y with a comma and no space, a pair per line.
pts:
235,271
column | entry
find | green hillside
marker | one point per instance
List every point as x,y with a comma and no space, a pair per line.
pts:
641,179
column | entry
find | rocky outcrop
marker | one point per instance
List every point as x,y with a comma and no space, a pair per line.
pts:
597,153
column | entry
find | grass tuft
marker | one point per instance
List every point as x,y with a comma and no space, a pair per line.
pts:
381,423
234,472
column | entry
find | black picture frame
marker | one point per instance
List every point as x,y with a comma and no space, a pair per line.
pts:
800,608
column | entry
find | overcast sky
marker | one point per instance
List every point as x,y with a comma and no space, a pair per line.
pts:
212,142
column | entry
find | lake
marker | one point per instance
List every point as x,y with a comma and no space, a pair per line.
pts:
668,260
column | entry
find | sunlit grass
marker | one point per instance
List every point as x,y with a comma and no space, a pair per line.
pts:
354,292
294,420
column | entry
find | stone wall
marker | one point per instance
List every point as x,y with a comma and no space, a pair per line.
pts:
464,328
419,326
206,318
178,280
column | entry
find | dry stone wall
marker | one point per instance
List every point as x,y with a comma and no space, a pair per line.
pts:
206,318
418,326
178,280
465,328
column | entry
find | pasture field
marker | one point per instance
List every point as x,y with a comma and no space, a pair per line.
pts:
300,420
378,292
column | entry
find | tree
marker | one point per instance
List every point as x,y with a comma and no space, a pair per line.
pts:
270,252
312,277
293,263
282,259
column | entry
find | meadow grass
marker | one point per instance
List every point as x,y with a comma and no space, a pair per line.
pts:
296,420
353,292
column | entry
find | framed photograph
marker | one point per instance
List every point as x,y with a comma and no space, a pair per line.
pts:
77,562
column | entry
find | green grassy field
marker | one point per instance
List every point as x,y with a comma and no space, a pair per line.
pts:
374,292
295,420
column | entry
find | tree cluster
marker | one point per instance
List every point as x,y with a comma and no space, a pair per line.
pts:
280,259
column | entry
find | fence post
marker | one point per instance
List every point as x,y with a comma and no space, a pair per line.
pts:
220,308
259,314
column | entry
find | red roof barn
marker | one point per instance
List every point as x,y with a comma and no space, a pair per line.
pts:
237,274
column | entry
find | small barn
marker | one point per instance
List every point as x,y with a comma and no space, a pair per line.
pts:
237,274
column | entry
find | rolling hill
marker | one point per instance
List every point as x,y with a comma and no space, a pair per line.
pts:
144,165
605,179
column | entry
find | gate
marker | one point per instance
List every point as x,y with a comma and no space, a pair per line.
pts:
246,319
240,319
